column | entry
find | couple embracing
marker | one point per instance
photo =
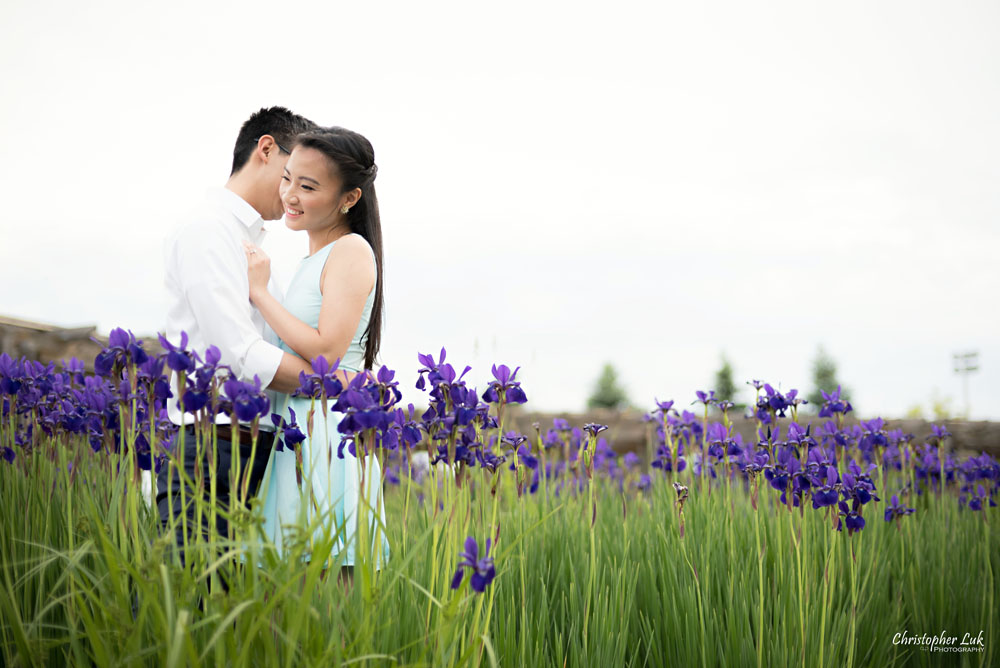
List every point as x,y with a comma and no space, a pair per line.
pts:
321,180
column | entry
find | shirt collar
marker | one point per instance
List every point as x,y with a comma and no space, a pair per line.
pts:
243,211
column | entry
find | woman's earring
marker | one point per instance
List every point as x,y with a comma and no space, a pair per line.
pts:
345,209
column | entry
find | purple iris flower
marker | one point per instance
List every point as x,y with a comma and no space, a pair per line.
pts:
195,400
322,382
734,446
409,431
716,436
551,439
527,459
752,461
75,368
800,436
489,460
291,435
387,386
368,406
104,363
831,435
392,475
983,467
981,499
482,569
785,465
430,367
793,398
594,429
463,453
179,358
248,401
664,406
938,433
873,433
851,517
512,440
826,494
895,511
122,348
834,404
201,385
704,398
722,442
151,372
773,402
857,484
663,461
361,409
504,387
212,356
439,375
11,372
465,403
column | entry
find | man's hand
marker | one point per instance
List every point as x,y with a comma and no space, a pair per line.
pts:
258,269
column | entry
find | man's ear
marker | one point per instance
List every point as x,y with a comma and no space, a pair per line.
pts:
266,148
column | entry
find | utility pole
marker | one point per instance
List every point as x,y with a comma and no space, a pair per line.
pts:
966,363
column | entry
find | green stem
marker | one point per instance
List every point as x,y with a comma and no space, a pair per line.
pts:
592,575
760,590
854,601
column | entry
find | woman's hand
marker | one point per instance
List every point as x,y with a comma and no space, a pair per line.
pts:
258,269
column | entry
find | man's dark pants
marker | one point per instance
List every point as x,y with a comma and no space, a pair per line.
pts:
223,494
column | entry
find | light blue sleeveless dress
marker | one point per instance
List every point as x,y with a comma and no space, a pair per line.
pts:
334,483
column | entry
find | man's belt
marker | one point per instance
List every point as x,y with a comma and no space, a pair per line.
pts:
225,431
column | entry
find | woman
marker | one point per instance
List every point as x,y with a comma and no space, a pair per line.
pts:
333,307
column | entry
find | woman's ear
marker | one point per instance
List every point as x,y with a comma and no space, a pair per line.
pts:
351,198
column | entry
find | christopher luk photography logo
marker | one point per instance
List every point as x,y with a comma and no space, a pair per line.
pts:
942,642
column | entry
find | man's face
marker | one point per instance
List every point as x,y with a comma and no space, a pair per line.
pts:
277,157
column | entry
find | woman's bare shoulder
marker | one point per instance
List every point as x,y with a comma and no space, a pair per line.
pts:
352,245
350,256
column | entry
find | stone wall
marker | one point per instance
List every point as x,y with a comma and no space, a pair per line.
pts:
627,431
46,343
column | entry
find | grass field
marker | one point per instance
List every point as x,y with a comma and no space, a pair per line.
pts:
86,578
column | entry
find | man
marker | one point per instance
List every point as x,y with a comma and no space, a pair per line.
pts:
206,278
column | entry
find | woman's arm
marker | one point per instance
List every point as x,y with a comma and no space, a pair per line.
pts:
347,279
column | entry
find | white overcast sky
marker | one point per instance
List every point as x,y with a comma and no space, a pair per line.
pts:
561,184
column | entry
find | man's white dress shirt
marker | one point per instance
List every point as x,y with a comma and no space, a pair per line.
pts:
209,292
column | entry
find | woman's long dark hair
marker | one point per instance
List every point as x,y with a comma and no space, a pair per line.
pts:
354,159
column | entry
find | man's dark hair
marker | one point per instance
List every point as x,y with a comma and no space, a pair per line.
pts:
278,122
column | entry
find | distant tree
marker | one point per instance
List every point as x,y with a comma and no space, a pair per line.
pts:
725,389
824,371
607,392
939,408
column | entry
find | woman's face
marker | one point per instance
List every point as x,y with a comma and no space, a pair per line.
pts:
310,192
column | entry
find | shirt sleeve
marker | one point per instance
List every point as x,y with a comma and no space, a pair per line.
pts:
275,288
213,273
